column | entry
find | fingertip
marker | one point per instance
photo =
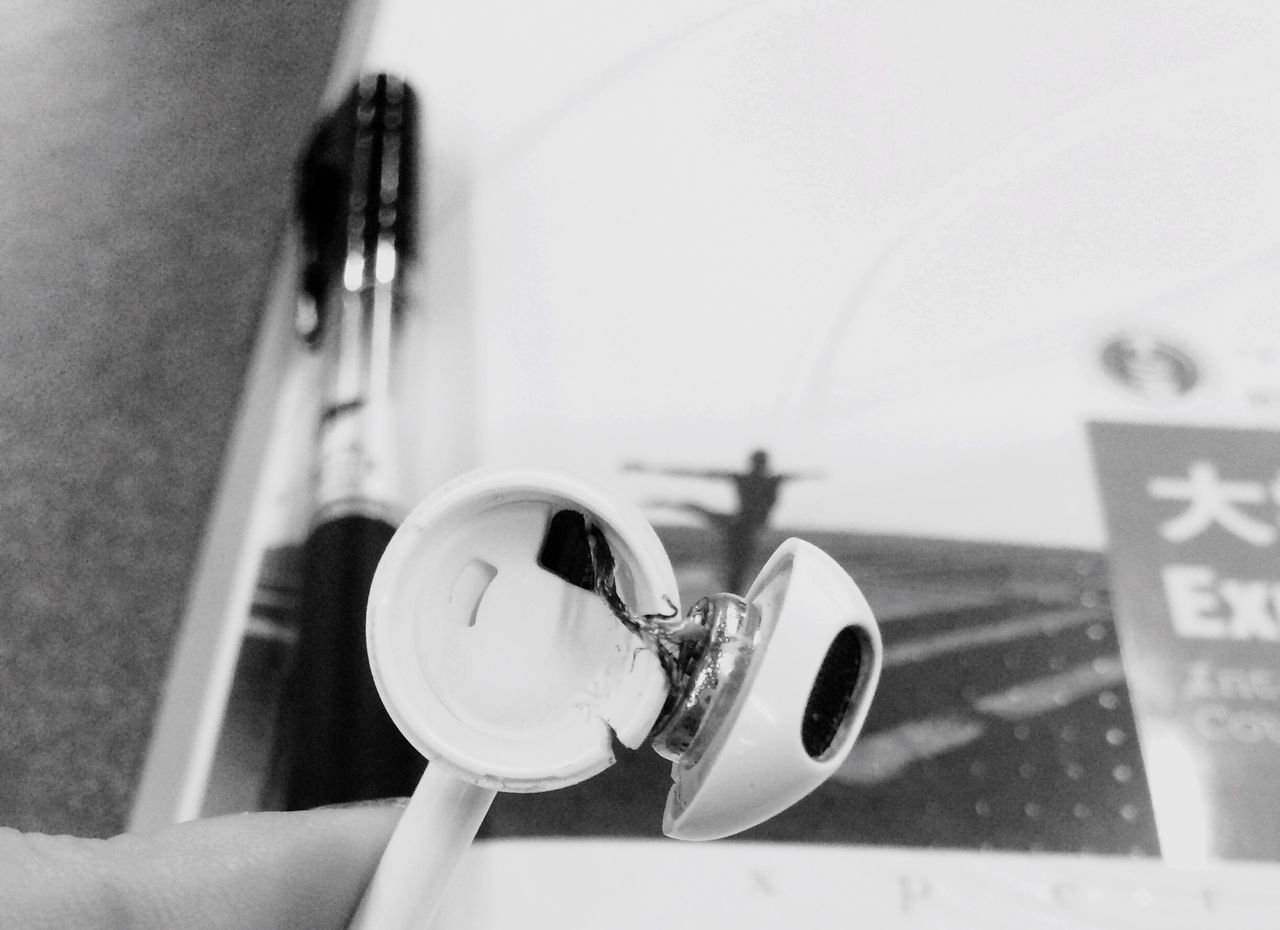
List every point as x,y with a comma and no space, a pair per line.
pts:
257,871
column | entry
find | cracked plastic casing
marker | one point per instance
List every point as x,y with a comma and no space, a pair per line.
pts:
494,667
812,661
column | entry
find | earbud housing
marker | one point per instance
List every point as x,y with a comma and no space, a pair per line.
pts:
520,620
776,701
509,673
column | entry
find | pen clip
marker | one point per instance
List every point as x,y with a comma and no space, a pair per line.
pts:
356,198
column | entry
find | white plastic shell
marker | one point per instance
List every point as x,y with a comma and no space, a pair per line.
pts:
495,668
757,764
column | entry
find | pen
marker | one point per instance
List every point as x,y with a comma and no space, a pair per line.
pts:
356,200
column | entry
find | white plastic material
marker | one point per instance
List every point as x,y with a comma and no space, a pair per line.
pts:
494,667
434,832
501,673
506,676
757,765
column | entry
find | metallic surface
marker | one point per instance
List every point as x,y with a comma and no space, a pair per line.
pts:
361,297
715,672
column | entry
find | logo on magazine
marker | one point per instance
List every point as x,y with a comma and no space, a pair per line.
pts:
1149,366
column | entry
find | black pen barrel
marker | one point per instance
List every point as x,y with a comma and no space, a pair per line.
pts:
340,743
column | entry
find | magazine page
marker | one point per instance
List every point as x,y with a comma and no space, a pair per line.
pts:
755,885
918,290
769,330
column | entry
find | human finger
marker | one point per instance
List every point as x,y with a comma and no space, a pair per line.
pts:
265,871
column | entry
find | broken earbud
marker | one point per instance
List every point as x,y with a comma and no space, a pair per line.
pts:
774,698
519,621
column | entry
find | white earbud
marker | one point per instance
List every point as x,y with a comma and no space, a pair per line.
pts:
493,666
520,620
775,698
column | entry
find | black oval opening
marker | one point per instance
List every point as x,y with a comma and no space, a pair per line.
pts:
831,699
566,550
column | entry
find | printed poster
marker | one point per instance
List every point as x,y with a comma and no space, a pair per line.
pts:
1194,518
